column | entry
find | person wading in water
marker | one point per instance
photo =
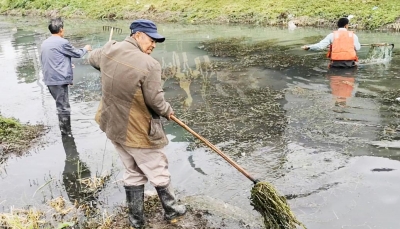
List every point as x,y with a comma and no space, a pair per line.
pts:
55,56
343,45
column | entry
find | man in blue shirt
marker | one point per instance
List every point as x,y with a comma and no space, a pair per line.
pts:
56,54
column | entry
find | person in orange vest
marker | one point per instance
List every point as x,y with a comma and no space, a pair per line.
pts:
343,46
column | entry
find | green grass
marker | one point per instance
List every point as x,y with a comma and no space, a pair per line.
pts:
243,11
16,137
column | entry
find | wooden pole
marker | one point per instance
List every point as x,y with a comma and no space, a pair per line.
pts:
218,151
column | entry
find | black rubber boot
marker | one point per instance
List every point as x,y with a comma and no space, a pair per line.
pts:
135,202
168,201
65,124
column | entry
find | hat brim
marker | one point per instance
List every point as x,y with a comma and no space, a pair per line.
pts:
157,37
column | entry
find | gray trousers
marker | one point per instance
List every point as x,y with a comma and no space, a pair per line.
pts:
142,165
60,95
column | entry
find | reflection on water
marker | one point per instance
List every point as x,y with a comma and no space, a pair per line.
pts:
74,171
342,83
184,73
27,50
342,88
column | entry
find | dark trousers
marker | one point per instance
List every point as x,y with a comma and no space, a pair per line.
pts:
342,64
60,95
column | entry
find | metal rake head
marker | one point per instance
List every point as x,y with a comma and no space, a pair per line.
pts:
109,28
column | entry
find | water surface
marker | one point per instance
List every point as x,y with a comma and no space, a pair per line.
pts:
329,155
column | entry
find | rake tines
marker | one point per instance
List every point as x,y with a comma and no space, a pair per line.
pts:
109,28
112,29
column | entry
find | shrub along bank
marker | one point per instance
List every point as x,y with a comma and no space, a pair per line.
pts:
368,14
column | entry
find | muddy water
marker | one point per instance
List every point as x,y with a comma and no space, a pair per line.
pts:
336,156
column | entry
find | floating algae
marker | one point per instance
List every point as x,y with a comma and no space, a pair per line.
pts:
245,117
313,39
246,53
273,207
390,112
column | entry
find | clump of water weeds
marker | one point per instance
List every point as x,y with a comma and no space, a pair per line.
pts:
58,213
21,218
244,53
390,131
390,97
273,207
16,137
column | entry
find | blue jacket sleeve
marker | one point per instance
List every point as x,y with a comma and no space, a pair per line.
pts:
69,50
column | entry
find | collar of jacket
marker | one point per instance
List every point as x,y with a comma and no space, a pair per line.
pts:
133,41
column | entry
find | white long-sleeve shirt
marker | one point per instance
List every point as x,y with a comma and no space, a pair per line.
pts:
329,40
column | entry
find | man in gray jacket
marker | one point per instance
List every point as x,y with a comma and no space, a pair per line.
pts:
56,54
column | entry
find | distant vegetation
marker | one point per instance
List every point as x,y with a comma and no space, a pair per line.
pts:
368,14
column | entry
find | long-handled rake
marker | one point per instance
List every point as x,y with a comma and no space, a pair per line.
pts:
265,199
378,45
111,29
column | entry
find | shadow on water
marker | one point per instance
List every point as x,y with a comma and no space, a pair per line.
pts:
328,140
75,170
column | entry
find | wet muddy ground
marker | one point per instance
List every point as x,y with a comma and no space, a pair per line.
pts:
327,140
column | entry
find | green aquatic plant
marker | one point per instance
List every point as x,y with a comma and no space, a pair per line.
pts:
16,137
273,207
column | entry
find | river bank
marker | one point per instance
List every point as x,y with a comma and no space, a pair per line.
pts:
59,213
367,14
16,137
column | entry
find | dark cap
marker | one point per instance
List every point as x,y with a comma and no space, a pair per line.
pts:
148,27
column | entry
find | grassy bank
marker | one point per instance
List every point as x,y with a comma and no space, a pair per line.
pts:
16,137
61,214
368,14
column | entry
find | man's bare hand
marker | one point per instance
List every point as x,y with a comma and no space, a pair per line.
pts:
88,47
170,115
305,47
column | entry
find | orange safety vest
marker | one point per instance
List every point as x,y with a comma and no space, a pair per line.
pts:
342,47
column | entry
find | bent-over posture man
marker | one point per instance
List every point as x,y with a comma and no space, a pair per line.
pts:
129,113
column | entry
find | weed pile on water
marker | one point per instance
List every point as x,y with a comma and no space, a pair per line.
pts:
16,137
273,207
